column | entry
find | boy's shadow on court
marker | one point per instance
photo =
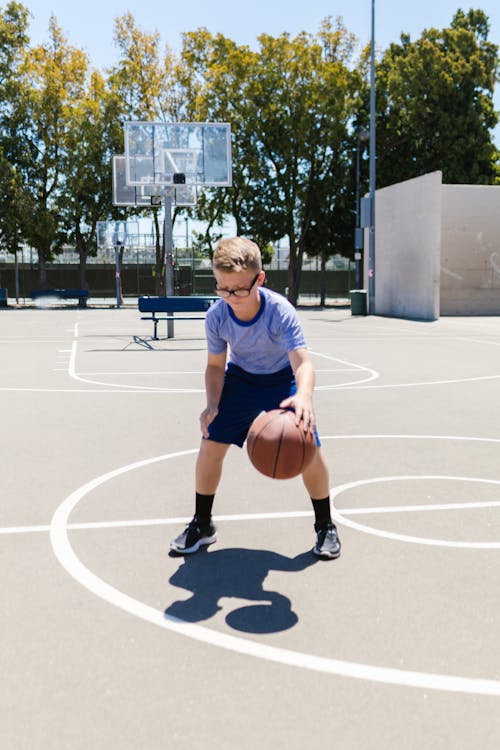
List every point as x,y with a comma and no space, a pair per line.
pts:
238,573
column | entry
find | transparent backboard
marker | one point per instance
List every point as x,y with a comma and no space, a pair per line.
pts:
113,234
178,153
144,194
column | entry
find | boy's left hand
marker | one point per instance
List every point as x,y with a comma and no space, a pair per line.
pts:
303,411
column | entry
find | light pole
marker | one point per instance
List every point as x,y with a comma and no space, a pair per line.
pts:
371,236
363,135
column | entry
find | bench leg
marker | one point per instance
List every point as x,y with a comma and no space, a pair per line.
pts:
170,329
155,332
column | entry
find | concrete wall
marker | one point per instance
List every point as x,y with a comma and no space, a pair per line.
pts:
407,248
470,250
437,249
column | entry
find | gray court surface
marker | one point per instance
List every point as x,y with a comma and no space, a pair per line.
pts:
108,642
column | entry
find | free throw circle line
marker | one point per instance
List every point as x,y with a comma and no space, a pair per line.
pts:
386,675
340,517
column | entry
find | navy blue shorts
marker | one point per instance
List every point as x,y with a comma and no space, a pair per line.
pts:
244,396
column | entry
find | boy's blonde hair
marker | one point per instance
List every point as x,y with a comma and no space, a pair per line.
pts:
237,254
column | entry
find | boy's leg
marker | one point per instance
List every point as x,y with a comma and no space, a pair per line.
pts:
201,531
316,476
209,466
316,479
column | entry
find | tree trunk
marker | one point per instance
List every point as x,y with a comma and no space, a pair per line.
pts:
42,271
322,300
294,270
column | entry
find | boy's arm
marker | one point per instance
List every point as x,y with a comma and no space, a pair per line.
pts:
301,401
214,380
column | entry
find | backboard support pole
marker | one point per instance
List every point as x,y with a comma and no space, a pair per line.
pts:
168,240
371,236
117,276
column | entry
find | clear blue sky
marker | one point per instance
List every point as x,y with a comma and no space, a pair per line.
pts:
89,24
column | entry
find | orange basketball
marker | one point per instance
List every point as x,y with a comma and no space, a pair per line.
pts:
277,447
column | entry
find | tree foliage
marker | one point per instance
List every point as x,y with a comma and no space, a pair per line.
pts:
296,107
94,135
52,81
435,99
289,104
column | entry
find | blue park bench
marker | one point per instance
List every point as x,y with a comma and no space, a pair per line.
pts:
79,294
183,306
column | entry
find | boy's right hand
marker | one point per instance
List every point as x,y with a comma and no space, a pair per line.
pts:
206,417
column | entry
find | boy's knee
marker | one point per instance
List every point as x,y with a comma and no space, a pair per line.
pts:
213,450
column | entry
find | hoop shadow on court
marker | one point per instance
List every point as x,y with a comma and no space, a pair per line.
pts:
237,573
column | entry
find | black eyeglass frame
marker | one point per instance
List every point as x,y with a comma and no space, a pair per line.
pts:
242,292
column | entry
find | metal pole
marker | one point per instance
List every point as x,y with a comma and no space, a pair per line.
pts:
168,242
371,245
357,254
117,276
17,276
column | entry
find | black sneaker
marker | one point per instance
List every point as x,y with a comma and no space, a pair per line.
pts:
193,537
328,543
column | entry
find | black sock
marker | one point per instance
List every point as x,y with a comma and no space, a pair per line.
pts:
322,510
204,507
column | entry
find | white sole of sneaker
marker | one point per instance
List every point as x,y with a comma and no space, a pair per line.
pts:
326,555
203,542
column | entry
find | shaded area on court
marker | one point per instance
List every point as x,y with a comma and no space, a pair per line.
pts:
238,573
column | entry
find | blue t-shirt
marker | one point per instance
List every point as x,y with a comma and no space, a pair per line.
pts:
260,345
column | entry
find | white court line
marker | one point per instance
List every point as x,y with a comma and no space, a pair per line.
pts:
92,525
478,341
143,372
117,389
349,385
32,341
373,374
385,675
419,508
350,367
410,385
196,372
130,388
429,541
138,523
362,384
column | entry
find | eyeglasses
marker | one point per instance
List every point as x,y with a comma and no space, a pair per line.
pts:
243,292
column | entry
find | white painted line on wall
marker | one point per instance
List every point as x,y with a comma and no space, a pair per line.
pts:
453,275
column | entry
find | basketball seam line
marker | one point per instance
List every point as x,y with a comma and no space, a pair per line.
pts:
278,451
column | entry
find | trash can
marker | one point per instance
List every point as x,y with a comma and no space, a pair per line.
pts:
4,295
358,301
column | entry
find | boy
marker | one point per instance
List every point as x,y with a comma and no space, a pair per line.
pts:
269,367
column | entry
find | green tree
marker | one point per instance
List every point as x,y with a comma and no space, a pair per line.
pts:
93,135
13,45
434,98
53,81
289,105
